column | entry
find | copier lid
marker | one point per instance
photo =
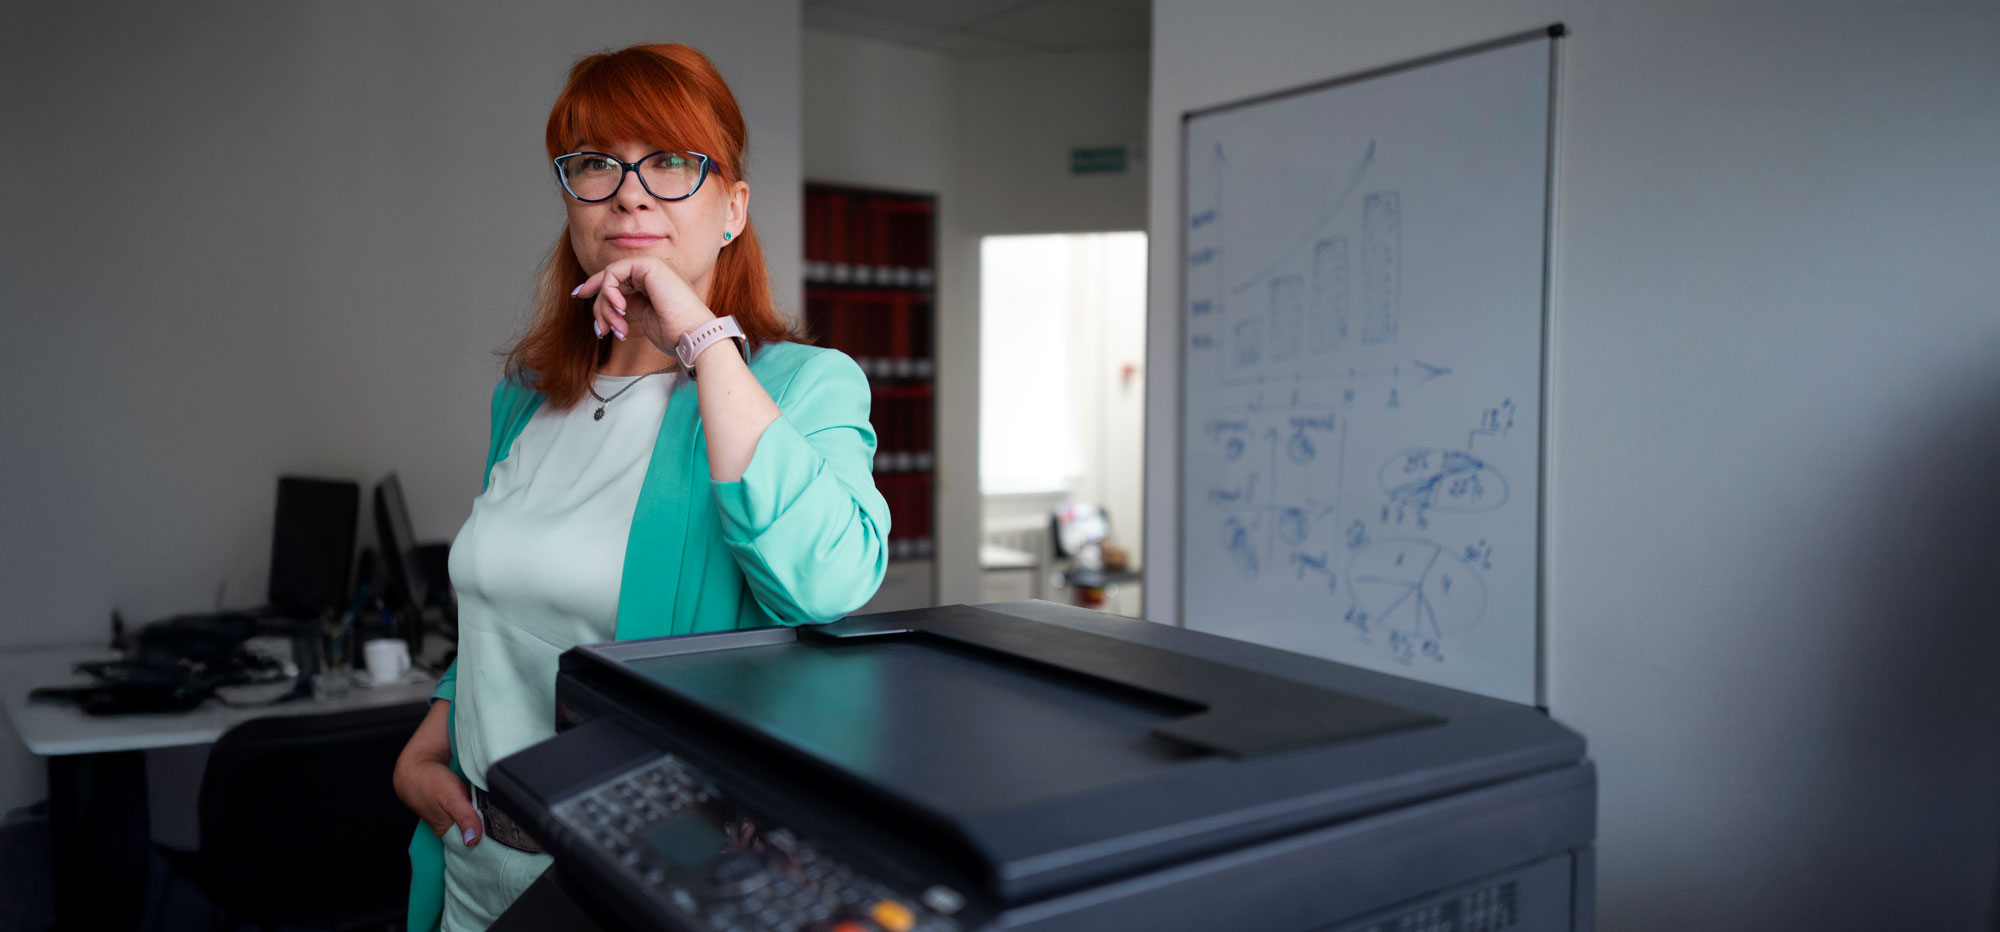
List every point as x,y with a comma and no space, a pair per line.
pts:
1062,754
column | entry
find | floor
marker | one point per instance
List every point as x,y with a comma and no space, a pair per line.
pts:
25,884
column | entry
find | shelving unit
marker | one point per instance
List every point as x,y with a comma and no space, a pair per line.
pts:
871,293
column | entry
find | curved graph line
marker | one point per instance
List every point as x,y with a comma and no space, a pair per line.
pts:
1447,481
1360,169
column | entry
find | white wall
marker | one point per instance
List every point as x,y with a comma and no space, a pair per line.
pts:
880,115
212,273
1774,423
991,137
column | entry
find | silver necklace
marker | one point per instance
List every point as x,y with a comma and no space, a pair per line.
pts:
602,401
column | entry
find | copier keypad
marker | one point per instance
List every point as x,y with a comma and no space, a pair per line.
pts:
715,865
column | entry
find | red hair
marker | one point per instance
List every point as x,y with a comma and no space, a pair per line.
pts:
672,97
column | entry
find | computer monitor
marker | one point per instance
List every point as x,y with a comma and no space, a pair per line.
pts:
312,545
403,574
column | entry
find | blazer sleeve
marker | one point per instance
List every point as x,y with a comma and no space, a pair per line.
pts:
447,687
805,522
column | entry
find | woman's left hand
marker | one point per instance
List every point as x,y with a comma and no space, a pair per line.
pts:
647,294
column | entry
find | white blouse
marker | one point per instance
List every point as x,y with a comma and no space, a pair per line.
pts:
537,566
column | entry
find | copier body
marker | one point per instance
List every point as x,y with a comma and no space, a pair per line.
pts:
1030,766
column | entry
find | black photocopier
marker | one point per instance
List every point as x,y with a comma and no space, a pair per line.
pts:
1030,766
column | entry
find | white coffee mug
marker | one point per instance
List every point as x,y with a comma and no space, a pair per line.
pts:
387,658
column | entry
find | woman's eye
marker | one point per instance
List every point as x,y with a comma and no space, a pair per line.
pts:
596,164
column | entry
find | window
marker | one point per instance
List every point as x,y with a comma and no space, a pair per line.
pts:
1062,329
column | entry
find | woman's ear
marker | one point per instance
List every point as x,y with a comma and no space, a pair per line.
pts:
739,209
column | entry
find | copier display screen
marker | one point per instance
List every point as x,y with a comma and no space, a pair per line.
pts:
689,841
704,832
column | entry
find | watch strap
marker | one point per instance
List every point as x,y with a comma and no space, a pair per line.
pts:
692,343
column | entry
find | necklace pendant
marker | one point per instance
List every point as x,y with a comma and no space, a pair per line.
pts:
599,415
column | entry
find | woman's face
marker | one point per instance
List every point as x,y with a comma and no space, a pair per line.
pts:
632,222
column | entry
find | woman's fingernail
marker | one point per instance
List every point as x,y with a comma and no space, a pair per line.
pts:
620,310
597,326
471,834
573,291
621,335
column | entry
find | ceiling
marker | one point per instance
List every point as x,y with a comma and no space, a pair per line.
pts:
990,27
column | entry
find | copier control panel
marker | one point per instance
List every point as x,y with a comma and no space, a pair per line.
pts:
711,863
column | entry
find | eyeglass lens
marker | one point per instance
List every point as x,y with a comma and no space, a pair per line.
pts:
593,176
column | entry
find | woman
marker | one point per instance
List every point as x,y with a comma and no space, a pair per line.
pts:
664,459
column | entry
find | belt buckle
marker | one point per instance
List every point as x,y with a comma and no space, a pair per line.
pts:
502,828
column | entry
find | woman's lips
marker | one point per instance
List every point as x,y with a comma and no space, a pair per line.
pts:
635,240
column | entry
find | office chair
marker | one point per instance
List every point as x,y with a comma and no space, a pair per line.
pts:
299,823
1074,526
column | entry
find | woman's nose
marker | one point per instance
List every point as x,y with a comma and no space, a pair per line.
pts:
631,193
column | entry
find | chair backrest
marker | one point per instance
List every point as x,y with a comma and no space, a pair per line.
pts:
305,794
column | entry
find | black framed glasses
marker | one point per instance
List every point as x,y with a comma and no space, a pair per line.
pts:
595,176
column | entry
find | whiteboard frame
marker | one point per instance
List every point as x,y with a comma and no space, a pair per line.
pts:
1553,32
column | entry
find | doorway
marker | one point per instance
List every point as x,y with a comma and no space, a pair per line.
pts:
1062,404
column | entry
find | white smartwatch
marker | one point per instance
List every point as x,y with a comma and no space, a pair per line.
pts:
700,338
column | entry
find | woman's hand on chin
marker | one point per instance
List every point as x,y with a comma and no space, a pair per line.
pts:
647,294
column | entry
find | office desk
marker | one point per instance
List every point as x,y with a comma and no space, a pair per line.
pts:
97,776
52,730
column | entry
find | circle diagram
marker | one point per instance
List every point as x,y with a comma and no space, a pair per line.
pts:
1236,540
1443,481
1415,587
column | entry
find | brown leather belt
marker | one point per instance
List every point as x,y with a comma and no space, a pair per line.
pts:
501,827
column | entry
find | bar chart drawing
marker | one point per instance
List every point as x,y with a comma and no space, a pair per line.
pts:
1361,376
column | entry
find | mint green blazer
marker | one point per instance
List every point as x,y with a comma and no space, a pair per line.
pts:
802,538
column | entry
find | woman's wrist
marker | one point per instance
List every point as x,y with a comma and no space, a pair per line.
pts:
695,344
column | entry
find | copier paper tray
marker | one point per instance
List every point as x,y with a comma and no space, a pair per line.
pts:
1033,766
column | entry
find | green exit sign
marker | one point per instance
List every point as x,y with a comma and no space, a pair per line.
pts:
1105,160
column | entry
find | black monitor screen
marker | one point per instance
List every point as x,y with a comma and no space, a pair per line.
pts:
404,574
312,545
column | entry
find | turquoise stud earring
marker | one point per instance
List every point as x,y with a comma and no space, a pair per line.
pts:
725,236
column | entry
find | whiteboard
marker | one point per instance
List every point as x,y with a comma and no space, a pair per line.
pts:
1363,299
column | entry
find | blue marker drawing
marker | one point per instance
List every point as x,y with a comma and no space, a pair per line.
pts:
1236,541
1431,372
1300,448
1424,480
1381,266
1417,592
1329,317
1223,495
1493,422
1353,181
1287,317
1302,561
1293,527
1248,348
1357,535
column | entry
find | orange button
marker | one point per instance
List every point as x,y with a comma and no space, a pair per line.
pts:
849,927
893,916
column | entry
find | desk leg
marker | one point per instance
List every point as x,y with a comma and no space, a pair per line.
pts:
99,834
